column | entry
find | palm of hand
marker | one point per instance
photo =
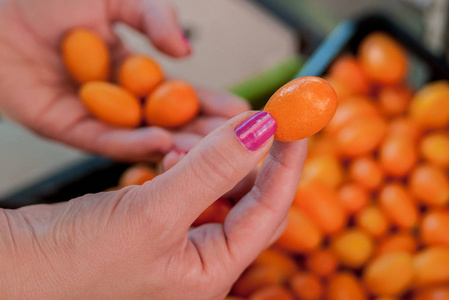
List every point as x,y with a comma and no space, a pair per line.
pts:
37,92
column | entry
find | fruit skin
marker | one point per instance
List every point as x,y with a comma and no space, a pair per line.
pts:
301,108
345,286
325,169
366,172
255,278
434,229
433,293
353,197
383,59
435,148
430,185
306,286
361,136
140,75
271,292
398,205
394,100
111,104
429,107
398,155
390,274
399,242
373,221
85,56
348,70
322,263
301,234
353,248
215,213
277,259
355,107
171,104
136,175
321,204
431,266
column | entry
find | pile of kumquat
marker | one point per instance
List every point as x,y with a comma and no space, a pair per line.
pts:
370,219
166,103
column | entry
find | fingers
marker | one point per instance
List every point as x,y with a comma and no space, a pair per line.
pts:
221,104
155,18
252,223
204,125
213,167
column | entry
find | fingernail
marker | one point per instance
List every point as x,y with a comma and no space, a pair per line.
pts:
256,130
186,42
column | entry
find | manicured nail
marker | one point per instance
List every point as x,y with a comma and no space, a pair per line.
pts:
256,130
186,42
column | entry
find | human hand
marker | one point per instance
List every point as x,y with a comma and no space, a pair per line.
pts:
36,92
138,243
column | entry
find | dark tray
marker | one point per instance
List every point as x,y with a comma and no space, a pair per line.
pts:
347,36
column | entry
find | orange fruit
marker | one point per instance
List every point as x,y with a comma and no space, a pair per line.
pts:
345,286
111,104
398,155
366,172
276,259
394,100
353,108
215,213
383,59
433,293
301,108
353,197
431,266
353,248
343,90
435,148
271,292
301,234
322,263
404,127
140,75
306,286
347,69
398,242
325,169
430,185
85,56
373,221
137,174
255,278
322,205
321,145
434,229
398,205
360,136
389,274
429,107
171,104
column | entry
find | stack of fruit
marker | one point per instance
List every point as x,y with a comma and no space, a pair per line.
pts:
166,103
370,219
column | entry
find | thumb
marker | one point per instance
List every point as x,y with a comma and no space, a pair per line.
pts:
211,168
155,18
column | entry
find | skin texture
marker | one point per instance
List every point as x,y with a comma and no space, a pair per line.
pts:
137,243
37,92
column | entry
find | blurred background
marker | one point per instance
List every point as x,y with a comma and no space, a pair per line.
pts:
233,40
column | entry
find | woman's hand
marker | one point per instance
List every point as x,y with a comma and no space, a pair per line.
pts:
36,91
137,243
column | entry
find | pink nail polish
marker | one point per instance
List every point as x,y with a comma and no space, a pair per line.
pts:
256,130
186,42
